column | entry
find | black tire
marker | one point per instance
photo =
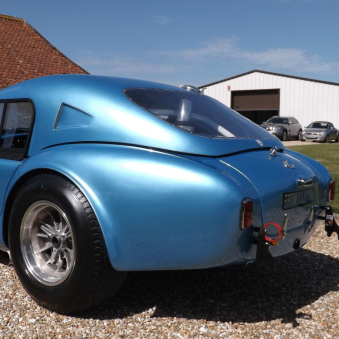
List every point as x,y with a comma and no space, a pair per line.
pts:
284,136
86,280
337,138
327,139
299,136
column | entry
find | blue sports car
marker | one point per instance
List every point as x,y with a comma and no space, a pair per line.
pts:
101,175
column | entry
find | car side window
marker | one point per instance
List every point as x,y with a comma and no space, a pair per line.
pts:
1,110
16,122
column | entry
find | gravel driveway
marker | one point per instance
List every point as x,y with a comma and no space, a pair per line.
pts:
300,300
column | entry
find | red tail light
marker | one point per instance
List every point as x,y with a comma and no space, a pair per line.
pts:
331,193
246,213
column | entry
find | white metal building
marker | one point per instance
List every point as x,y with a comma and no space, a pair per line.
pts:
258,95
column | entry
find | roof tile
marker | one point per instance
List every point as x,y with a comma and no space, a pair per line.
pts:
26,54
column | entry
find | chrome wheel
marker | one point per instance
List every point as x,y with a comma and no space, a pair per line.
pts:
47,243
57,247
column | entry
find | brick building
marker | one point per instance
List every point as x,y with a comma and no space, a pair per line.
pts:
26,54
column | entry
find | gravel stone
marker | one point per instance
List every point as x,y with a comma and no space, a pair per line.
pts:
301,300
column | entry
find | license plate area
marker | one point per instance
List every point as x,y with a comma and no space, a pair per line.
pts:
298,198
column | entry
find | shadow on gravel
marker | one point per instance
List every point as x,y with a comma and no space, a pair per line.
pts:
235,293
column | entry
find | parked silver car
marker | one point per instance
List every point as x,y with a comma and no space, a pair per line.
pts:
283,127
323,131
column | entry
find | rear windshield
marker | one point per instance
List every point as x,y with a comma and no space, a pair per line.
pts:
195,113
318,125
277,121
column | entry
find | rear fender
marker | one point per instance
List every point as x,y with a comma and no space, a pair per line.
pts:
156,210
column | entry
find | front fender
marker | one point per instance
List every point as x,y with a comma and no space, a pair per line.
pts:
156,210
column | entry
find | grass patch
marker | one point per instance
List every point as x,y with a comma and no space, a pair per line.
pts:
328,155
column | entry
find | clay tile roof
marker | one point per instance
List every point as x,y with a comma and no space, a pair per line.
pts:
26,54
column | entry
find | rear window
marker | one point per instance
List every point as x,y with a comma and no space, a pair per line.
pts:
195,113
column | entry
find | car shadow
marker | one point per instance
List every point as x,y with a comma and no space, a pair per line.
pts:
231,294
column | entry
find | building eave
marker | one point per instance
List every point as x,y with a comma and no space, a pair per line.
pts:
271,73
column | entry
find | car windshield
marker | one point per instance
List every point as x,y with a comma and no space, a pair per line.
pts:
318,125
195,113
277,121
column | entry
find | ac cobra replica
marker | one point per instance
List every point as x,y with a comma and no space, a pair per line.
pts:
100,176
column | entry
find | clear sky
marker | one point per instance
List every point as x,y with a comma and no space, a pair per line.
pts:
190,41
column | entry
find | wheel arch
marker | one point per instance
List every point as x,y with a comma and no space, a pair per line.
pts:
84,284
15,189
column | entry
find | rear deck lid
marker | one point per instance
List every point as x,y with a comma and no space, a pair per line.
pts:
285,184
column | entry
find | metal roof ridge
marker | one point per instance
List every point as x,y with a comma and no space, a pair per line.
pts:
271,73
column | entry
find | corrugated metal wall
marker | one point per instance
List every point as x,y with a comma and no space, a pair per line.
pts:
306,100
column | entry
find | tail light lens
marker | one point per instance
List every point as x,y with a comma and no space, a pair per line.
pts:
331,193
246,213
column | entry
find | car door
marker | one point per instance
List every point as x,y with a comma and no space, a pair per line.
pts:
298,126
291,127
295,127
16,118
332,132
336,133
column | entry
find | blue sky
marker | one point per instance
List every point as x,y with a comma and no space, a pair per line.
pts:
190,42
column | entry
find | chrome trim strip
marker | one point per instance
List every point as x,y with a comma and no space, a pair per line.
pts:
305,182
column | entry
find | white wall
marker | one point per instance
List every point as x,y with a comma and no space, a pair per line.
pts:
305,100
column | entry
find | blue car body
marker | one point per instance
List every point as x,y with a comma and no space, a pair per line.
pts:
165,198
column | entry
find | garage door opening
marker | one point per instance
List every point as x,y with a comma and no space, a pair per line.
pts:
258,105
259,117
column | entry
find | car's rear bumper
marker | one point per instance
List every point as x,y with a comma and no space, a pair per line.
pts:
299,235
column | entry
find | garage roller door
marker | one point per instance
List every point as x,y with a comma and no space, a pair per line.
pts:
258,105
